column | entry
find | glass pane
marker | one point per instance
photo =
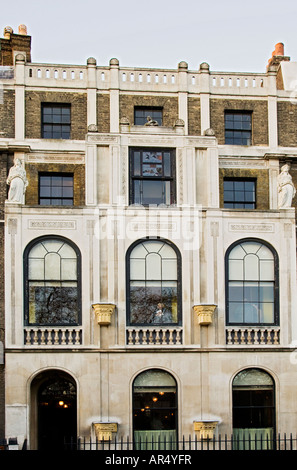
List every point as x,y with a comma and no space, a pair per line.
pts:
139,251
153,266
154,378
251,313
52,245
136,162
38,251
266,291
235,291
137,269
36,269
267,313
167,251
251,292
267,270
169,269
235,269
167,166
235,312
66,251
237,252
251,267
252,377
53,305
68,269
52,266
154,170
153,192
153,246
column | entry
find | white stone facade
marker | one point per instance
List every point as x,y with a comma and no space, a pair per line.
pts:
104,359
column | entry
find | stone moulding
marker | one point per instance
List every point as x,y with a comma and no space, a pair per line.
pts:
205,429
103,431
205,313
103,313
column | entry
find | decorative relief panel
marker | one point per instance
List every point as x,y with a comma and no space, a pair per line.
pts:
251,228
49,224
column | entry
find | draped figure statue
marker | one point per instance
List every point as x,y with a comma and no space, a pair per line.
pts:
286,188
18,182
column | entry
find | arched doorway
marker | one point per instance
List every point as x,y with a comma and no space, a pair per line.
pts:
154,410
56,407
253,394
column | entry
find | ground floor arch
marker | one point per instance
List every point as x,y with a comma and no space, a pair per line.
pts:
54,410
155,410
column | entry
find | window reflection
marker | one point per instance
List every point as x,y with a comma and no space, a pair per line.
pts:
52,283
153,286
251,291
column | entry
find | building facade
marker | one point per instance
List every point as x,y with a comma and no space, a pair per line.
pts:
150,249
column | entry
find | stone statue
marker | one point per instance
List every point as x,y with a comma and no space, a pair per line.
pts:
151,122
286,188
18,182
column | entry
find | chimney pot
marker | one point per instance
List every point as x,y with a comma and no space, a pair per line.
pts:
279,49
23,29
7,32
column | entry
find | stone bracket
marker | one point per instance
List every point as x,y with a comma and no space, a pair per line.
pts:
205,429
103,312
104,431
205,313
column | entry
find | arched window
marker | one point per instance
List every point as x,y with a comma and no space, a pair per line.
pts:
153,283
155,410
52,282
251,284
253,408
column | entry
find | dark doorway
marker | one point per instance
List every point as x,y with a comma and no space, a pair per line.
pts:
56,402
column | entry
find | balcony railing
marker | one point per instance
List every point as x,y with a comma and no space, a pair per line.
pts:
253,336
55,336
154,336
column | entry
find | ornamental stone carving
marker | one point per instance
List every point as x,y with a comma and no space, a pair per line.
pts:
104,431
204,313
285,187
103,313
17,180
205,429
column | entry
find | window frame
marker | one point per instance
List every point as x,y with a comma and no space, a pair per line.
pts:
149,111
54,125
141,178
178,283
243,202
52,174
27,281
276,284
234,130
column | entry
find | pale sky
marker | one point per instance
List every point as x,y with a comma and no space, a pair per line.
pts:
229,35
